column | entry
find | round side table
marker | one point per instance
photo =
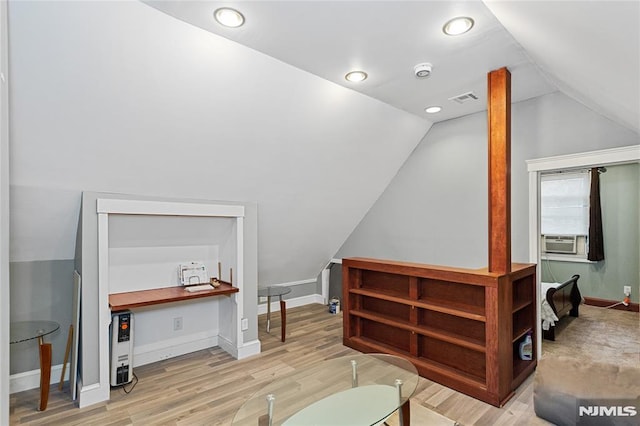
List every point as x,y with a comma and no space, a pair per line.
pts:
276,290
22,331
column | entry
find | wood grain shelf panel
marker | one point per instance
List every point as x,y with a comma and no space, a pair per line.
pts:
518,334
469,343
461,334
458,309
455,308
384,295
518,306
138,299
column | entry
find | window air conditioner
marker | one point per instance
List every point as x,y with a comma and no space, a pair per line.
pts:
565,244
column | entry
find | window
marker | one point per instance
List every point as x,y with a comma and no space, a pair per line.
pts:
564,211
564,203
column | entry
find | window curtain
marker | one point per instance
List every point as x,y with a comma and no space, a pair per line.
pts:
596,238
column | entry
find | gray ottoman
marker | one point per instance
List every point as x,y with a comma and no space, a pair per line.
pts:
563,384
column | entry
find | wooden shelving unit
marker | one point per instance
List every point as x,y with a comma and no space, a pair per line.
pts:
459,327
156,296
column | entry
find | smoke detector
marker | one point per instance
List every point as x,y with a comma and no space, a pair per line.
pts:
422,70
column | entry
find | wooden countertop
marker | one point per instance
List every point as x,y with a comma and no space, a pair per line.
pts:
137,299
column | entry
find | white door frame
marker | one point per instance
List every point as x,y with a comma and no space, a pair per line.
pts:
606,157
99,392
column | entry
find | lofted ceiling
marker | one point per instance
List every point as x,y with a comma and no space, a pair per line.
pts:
587,49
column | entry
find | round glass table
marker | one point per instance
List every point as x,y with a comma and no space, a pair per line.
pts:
276,290
22,331
362,389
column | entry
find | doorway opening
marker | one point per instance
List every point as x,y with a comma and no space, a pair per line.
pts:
538,167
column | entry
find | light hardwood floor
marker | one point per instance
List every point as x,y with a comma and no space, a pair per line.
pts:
207,387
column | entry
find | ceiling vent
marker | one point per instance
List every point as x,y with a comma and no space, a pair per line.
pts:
465,97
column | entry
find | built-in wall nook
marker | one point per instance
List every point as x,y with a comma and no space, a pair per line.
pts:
141,243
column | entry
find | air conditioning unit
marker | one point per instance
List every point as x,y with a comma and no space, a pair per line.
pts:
564,244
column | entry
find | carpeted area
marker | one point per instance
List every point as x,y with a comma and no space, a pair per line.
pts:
598,334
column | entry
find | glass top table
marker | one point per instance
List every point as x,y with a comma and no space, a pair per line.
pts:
269,292
21,331
275,290
361,389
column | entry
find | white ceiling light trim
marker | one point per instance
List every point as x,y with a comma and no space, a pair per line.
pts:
433,109
229,17
356,76
458,25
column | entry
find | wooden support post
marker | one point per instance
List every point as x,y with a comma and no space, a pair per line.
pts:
499,115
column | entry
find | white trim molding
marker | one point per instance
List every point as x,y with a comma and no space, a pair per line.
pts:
535,167
326,277
292,303
166,208
232,343
92,394
295,283
31,379
171,348
609,157
247,349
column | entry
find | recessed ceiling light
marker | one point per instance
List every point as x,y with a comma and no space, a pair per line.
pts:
457,26
356,76
228,17
433,109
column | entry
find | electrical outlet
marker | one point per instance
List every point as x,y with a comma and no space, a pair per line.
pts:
177,323
627,290
244,324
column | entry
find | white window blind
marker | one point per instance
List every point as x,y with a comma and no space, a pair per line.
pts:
564,203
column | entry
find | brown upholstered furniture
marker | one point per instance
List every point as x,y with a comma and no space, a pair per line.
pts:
562,384
564,298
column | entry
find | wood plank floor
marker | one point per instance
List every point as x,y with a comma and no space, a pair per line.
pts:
207,387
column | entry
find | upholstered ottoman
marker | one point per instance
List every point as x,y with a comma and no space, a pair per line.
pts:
562,385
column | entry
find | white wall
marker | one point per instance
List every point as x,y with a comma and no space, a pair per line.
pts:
4,220
119,97
435,210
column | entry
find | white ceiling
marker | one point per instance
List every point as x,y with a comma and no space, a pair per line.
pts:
577,47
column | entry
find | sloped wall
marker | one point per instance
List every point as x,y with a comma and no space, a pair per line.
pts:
435,210
119,97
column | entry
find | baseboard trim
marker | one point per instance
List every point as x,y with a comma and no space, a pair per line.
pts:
292,303
92,394
295,283
31,379
151,353
248,348
154,352
602,303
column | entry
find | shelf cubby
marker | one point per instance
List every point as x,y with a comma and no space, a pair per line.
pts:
391,336
463,328
522,322
454,356
393,283
459,327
